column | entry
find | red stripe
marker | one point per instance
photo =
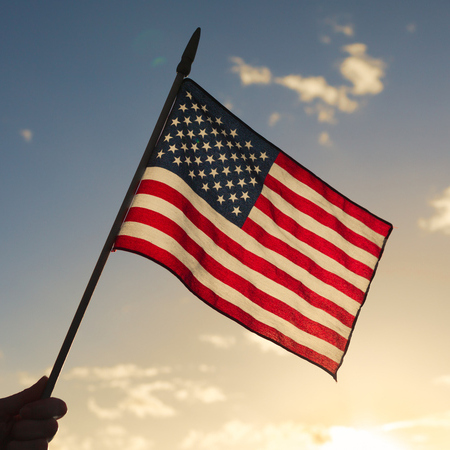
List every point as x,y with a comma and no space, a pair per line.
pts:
246,257
281,247
227,276
350,208
325,218
313,240
220,304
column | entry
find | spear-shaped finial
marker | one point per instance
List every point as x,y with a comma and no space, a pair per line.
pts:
184,67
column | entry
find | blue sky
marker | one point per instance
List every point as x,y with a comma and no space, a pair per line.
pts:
358,93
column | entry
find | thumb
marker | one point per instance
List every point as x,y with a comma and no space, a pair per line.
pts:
13,403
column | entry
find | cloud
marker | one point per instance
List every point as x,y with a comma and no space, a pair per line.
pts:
249,74
218,341
362,70
264,345
348,29
440,420
411,27
440,221
112,437
325,140
136,391
286,436
274,119
27,135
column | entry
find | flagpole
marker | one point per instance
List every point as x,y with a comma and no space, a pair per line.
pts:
183,70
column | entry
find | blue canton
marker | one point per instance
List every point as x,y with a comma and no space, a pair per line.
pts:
223,160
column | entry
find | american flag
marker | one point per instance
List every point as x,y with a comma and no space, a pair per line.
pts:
253,233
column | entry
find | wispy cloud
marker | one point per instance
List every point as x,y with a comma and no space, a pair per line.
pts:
264,345
440,420
364,73
440,221
137,390
287,436
251,74
27,135
325,140
218,341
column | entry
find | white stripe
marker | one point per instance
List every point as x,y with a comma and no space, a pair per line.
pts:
231,295
318,229
298,187
224,258
251,244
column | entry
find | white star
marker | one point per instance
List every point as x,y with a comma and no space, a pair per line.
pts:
195,107
187,160
189,95
238,145
238,169
233,133
160,154
248,144
218,145
222,157
230,184
219,121
242,183
204,108
191,134
205,187
203,133
191,174
229,144
214,132
173,148
210,159
201,174
184,147
187,121
226,171
236,210
220,199
206,146
198,160
245,196
177,161
175,121
194,146
167,138
252,157
199,120
233,197
253,181
248,168
257,169
263,156
234,157
180,134
217,186
183,108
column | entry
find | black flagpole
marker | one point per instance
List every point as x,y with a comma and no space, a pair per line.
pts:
183,70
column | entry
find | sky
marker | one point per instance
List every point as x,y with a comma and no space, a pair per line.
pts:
357,92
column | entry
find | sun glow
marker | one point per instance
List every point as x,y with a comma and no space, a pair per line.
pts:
344,438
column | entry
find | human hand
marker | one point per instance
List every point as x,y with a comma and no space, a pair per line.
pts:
28,422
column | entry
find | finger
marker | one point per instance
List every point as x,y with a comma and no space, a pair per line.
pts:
13,403
40,444
44,409
28,430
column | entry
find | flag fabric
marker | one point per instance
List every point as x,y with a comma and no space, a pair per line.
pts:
253,233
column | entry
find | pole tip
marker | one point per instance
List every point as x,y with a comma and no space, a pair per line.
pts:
184,67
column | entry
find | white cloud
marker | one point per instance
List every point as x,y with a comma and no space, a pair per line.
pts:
274,119
192,391
348,29
112,437
440,420
325,140
362,70
440,221
249,74
27,135
218,341
287,436
264,345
